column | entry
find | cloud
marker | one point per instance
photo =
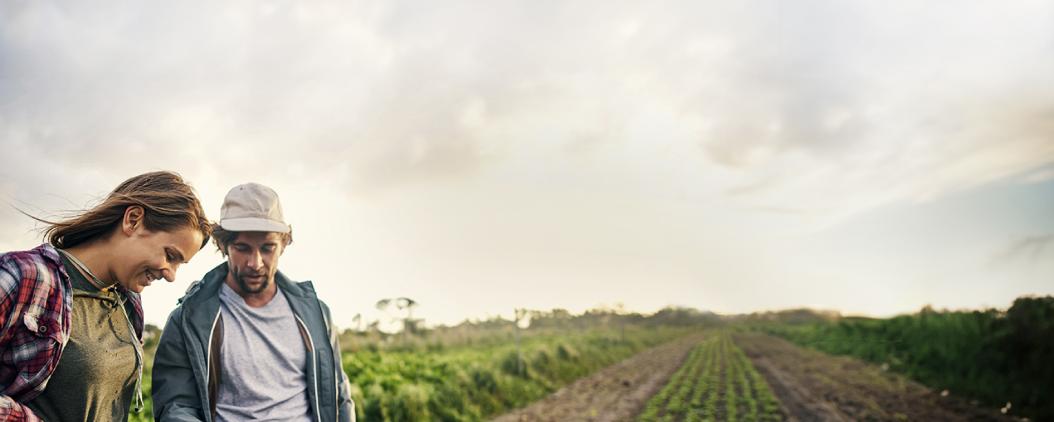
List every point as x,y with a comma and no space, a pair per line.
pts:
842,108
377,94
1029,249
230,90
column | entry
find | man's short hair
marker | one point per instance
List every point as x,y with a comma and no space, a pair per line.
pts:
223,238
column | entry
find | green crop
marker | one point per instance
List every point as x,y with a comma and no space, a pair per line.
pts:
716,382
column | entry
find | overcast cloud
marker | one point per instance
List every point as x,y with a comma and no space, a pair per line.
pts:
511,149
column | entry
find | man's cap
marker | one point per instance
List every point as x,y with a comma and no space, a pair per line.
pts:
252,207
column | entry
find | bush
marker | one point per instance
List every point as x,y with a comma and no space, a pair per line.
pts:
566,352
542,361
410,403
514,364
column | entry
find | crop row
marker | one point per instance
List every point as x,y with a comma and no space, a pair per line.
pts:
716,382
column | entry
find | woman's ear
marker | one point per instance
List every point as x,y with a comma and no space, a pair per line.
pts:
133,219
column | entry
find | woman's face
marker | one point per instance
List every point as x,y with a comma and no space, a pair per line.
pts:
145,256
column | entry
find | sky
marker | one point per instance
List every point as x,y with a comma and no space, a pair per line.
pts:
865,157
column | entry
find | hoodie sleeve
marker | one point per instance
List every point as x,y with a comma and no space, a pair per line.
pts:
345,405
174,390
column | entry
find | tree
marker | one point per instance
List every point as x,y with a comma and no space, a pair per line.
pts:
403,304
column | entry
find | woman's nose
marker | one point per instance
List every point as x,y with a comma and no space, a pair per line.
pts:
169,274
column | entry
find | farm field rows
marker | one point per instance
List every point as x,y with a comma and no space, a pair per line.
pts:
615,372
734,375
615,393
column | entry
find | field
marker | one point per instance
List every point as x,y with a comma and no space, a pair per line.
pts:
685,366
480,370
737,375
616,393
994,357
734,374
471,382
815,386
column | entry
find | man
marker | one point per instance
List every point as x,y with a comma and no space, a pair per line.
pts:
245,341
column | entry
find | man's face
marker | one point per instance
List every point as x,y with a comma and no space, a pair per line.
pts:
253,260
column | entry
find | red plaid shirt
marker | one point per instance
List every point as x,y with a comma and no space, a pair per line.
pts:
35,304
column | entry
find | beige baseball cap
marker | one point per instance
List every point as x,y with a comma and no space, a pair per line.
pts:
252,207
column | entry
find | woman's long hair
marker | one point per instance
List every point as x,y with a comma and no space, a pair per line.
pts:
168,203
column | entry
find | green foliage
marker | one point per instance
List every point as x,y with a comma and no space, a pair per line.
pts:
463,383
566,352
498,331
514,364
542,359
993,356
409,403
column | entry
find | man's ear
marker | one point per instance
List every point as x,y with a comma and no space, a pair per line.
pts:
133,219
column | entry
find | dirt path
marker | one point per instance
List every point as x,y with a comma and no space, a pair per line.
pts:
615,393
813,386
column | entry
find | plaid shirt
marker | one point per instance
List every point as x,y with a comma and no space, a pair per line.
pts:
35,305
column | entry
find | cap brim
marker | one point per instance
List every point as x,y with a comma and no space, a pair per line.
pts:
253,225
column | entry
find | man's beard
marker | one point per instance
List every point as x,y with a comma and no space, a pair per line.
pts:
245,286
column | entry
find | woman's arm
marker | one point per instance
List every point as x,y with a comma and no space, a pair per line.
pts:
10,315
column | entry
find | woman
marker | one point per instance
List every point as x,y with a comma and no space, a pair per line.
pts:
71,320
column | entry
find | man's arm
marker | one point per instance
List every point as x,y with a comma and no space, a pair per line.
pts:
345,405
174,389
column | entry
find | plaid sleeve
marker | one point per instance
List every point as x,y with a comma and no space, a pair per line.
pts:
13,411
35,323
10,282
10,278
11,303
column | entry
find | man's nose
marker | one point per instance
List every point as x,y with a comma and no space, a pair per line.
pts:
255,260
